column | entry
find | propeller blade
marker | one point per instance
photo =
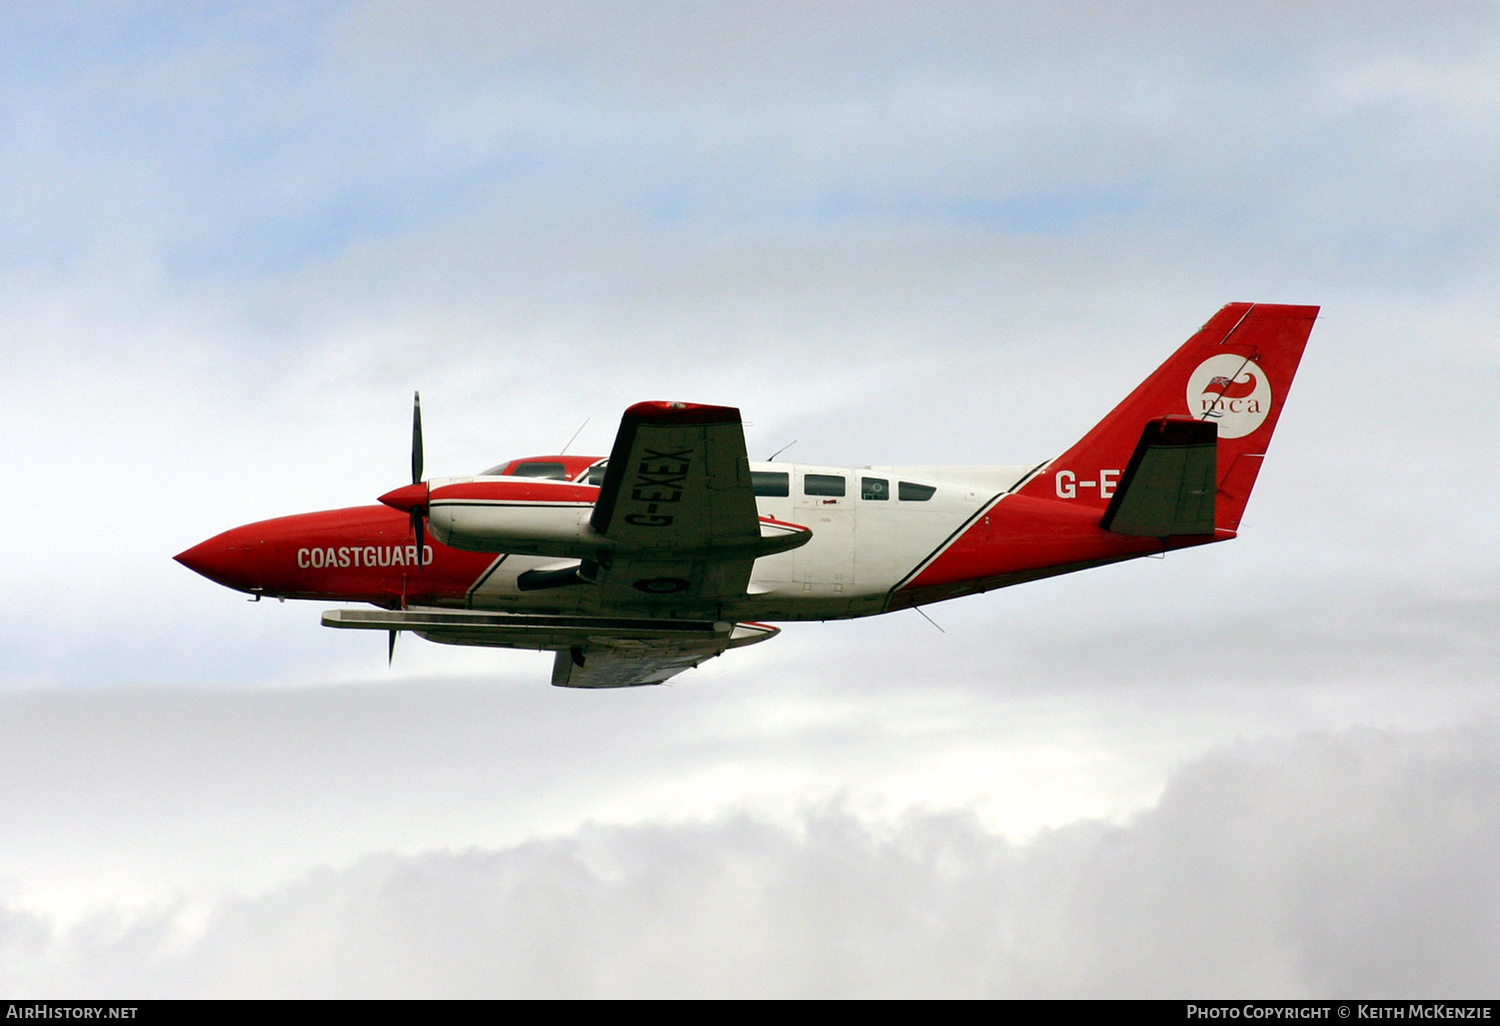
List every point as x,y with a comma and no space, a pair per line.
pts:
416,529
416,437
390,652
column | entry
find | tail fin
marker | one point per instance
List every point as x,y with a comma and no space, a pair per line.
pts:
1146,464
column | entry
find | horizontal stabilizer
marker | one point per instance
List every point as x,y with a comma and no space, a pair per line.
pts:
1168,486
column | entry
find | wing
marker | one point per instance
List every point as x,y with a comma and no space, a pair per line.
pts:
679,507
673,533
592,652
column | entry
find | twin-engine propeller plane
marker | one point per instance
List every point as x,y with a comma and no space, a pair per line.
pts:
677,547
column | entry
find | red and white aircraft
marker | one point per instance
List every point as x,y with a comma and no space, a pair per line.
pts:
677,547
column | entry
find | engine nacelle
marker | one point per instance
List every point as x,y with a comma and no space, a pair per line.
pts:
526,516
534,517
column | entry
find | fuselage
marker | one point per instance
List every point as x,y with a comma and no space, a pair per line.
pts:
882,537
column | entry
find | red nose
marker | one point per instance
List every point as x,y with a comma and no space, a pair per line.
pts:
407,498
223,559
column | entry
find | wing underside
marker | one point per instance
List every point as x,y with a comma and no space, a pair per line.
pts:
624,664
592,652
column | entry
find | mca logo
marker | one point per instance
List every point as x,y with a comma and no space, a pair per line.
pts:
1232,391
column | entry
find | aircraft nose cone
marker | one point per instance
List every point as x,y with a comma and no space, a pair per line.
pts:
217,559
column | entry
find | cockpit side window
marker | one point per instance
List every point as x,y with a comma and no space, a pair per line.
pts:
822,484
540,469
770,483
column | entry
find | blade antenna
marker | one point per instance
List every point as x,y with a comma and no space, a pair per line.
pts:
928,618
563,451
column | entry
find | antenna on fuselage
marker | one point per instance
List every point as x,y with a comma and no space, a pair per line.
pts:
564,450
928,618
771,458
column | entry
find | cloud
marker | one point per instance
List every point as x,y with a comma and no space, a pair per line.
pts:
869,810
1330,864
237,144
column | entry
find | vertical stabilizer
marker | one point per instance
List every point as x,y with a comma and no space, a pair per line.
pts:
1234,374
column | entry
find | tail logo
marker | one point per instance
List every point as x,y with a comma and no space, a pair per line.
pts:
1232,391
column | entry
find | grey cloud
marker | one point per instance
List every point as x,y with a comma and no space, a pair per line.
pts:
1355,863
1207,112
221,157
1034,711
657,35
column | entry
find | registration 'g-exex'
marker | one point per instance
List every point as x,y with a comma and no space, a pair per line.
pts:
677,547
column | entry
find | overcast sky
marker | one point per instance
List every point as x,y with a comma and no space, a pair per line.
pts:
234,238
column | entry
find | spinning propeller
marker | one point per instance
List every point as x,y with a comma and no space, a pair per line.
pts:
416,472
412,498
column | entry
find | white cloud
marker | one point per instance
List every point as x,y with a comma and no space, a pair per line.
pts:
1356,863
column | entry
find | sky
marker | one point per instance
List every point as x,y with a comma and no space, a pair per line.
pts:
235,237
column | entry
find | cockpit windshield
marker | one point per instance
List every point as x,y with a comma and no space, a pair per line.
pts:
544,469
588,469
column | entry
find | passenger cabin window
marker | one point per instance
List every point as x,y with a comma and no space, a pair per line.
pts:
595,475
547,471
909,492
771,483
874,488
822,484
